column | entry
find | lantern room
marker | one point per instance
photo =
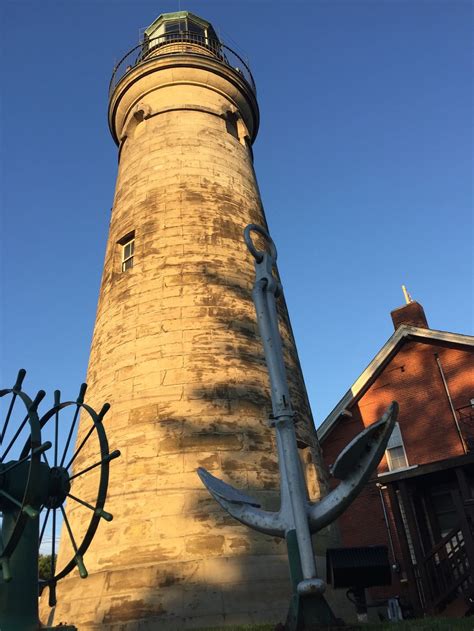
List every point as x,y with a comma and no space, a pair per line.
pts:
178,28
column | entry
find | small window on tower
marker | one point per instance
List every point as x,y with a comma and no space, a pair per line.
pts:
231,124
127,244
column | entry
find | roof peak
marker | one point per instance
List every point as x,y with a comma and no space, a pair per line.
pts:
389,349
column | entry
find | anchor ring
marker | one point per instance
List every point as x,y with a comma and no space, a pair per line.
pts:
258,254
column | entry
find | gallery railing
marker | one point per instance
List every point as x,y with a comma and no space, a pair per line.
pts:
178,43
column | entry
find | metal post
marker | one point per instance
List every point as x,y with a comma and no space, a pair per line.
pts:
450,401
402,538
387,524
19,596
417,549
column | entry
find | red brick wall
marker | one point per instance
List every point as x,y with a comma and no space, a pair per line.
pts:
413,379
429,433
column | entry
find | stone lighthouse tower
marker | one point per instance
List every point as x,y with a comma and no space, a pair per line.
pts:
176,352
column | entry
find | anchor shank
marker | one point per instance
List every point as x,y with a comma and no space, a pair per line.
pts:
265,304
270,335
291,462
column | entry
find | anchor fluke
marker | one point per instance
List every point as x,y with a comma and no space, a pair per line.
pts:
224,490
242,507
370,442
354,466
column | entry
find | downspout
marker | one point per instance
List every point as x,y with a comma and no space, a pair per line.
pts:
453,411
380,487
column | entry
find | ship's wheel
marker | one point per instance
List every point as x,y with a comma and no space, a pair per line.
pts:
18,500
64,468
38,479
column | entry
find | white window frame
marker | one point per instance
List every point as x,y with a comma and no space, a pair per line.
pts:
396,441
128,252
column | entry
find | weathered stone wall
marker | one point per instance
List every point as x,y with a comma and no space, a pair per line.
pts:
177,354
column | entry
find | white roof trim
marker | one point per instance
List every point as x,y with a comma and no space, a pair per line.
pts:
385,353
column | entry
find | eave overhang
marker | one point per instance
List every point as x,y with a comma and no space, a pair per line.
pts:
426,469
403,334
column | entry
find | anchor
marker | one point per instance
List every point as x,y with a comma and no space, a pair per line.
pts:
298,518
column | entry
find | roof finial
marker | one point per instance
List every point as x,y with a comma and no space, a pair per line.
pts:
408,298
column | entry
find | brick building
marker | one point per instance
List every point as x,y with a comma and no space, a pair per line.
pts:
421,502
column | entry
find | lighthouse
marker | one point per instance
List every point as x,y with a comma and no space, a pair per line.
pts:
176,353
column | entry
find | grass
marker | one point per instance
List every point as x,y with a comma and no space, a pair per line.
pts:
422,624
241,627
428,624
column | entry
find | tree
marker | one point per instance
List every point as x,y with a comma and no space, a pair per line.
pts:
44,566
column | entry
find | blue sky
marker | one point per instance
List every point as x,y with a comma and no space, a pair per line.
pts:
364,161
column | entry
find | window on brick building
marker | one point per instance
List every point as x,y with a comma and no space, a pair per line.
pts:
309,471
127,245
396,454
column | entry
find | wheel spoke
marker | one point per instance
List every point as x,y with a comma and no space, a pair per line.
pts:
7,419
17,433
25,508
19,380
43,529
73,424
33,407
108,458
68,526
76,453
97,511
45,458
52,594
16,389
37,450
53,545
57,398
79,402
100,418
77,557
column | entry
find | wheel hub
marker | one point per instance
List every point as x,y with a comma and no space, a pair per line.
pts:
58,487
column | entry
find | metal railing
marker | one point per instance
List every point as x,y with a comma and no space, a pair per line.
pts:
178,43
447,568
466,423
